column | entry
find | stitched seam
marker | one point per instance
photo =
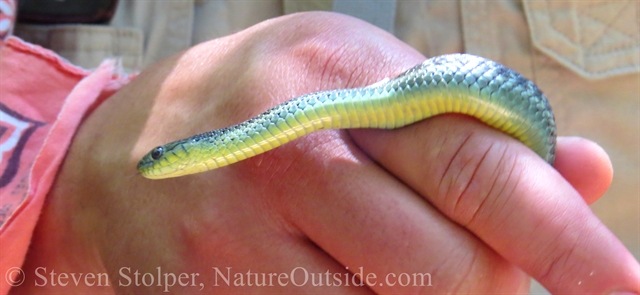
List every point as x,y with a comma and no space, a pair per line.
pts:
575,19
607,25
545,42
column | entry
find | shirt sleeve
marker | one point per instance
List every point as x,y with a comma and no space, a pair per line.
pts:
43,101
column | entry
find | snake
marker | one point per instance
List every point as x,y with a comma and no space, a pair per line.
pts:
454,83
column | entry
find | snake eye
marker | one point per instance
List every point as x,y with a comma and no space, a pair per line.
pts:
157,153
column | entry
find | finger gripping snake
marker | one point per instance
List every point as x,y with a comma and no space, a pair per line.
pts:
456,83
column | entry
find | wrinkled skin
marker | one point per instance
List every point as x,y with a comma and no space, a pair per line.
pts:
448,196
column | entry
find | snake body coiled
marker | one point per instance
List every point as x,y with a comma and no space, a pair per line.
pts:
456,83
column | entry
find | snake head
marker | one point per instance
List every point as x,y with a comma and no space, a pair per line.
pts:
163,161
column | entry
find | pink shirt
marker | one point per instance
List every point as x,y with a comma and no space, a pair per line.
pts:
43,101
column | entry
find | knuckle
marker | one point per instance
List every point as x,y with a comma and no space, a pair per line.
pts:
478,180
560,262
337,50
478,270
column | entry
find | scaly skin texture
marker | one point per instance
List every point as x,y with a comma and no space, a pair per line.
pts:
456,83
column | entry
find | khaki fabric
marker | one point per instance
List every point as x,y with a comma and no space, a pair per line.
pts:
596,40
87,45
585,55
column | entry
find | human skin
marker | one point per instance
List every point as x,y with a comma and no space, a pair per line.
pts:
448,196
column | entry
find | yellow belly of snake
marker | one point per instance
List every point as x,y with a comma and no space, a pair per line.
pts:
457,83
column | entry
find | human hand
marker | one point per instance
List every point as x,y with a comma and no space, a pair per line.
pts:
448,196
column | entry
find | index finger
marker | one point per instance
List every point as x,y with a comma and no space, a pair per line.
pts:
508,197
